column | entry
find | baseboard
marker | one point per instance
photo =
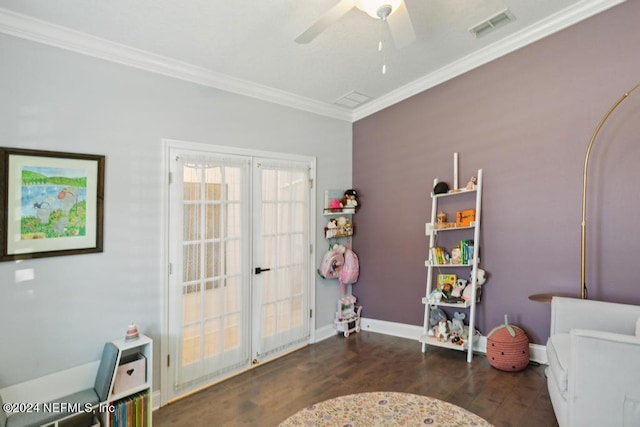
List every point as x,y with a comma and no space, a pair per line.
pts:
155,400
401,330
537,352
324,333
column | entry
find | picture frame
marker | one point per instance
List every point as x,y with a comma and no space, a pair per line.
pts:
51,203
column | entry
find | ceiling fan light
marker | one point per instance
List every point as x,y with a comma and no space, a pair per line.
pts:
371,6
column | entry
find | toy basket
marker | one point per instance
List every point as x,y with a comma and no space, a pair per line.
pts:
508,348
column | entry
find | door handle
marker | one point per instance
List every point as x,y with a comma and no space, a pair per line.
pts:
259,270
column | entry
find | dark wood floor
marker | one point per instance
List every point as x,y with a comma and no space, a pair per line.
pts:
367,361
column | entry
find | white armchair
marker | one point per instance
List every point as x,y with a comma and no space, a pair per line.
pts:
594,363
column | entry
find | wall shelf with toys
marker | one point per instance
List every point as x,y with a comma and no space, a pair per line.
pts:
339,227
447,288
338,202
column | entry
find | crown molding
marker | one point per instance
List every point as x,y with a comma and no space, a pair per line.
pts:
559,21
26,27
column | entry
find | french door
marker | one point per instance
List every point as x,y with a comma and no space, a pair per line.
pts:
239,282
281,252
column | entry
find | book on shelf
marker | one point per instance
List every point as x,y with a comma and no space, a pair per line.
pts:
445,283
439,255
466,251
131,411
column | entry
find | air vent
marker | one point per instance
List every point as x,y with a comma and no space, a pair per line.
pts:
498,20
352,100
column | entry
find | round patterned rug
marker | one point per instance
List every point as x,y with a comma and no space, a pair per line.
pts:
383,409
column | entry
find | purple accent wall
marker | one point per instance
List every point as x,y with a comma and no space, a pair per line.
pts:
526,120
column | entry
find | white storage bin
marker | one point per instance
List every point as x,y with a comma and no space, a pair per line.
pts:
130,374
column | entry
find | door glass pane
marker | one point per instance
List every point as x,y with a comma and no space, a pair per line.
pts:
232,294
212,220
234,221
232,257
231,331
191,262
191,344
191,215
214,300
212,337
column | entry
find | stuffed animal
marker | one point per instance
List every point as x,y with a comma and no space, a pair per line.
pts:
350,199
457,290
435,316
339,248
472,183
481,278
458,323
435,296
343,227
335,205
332,228
443,330
348,230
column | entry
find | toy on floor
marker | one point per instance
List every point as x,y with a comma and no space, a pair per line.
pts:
348,315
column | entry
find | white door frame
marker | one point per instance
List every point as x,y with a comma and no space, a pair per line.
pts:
167,145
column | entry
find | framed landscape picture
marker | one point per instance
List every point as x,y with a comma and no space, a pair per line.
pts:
51,203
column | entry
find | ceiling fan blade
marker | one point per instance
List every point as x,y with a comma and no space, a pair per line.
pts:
401,27
326,20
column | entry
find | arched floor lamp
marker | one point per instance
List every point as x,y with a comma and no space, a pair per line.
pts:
583,234
583,239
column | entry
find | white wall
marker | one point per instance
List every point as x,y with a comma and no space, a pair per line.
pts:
56,100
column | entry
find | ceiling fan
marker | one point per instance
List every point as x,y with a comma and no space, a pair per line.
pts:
393,12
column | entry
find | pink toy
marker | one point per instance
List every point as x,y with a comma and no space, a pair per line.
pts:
335,204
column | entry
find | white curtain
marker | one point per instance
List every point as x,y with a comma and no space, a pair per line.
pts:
222,315
212,281
284,310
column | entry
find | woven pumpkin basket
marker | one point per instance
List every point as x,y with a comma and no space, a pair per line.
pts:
508,348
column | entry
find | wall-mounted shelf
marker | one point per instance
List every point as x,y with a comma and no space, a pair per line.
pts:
347,211
330,195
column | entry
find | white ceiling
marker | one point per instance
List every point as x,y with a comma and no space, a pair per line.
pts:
248,47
